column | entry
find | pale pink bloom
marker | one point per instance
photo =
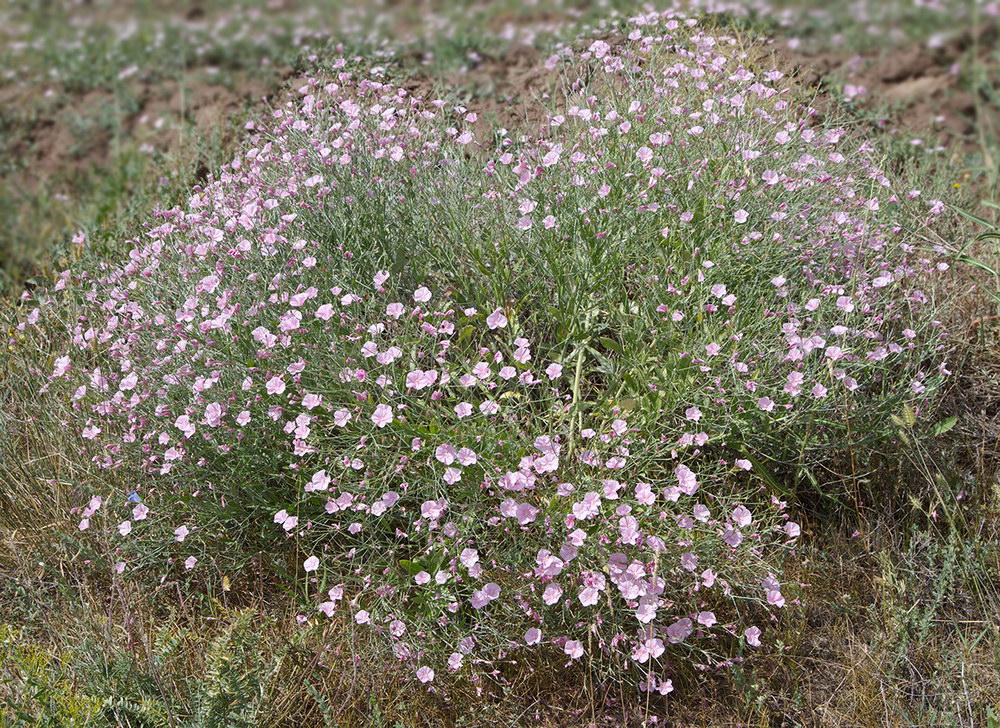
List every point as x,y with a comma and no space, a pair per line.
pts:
125,528
733,537
362,617
752,635
185,425
341,417
765,403
686,479
574,648
425,674
62,365
119,567
533,636
707,618
189,562
692,413
311,564
794,384
463,409
181,533
497,319
320,481
432,510
553,371
422,295
469,558
679,630
743,464
552,594
140,512
275,385
589,596
792,529
742,516
741,216
382,415
708,578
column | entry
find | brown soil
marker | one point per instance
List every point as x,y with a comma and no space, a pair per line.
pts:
50,148
918,84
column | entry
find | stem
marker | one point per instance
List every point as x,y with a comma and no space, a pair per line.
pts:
576,398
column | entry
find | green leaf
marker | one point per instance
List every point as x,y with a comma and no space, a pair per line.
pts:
612,345
943,426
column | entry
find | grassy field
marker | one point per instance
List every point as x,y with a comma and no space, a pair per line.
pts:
341,341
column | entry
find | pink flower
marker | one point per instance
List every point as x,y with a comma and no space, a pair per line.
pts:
533,636
589,596
552,594
125,528
382,415
792,529
425,674
320,481
765,403
61,366
741,216
189,562
432,510
679,630
553,371
310,564
687,481
496,320
742,516
574,648
422,295
181,533
275,385
752,635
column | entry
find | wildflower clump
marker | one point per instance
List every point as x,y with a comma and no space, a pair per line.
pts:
484,396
